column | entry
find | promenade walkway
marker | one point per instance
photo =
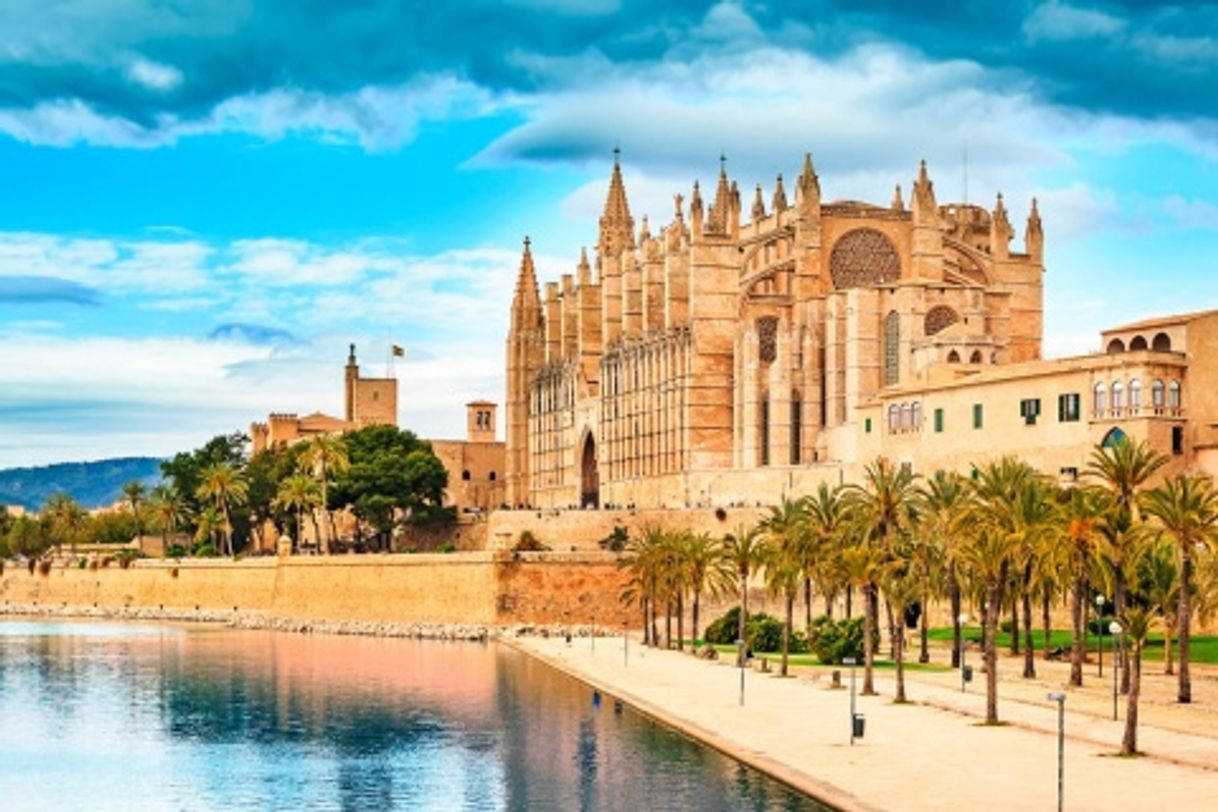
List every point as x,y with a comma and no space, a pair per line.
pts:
929,755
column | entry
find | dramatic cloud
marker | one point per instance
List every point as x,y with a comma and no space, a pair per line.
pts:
41,289
255,334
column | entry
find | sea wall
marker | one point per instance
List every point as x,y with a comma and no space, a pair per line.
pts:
479,588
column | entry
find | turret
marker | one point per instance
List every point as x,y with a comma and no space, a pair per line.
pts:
617,226
927,249
351,375
1000,231
1034,236
807,197
758,206
898,201
779,203
695,211
525,356
718,219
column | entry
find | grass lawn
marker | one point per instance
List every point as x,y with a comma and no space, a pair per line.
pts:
1204,649
775,657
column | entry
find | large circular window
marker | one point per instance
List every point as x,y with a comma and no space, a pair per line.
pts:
862,258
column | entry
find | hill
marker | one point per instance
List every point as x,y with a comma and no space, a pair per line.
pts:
92,484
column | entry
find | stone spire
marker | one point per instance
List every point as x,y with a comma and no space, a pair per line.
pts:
644,231
808,197
758,206
717,217
1000,230
1034,235
695,210
584,271
780,195
898,201
924,207
526,302
617,226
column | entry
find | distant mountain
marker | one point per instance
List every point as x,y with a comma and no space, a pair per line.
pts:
92,484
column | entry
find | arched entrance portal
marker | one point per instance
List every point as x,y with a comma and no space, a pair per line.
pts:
589,478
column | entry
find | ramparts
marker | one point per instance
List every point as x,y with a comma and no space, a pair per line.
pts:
482,588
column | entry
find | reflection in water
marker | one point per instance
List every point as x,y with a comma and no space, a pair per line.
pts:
152,717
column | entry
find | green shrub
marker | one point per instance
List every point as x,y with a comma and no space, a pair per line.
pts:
723,630
205,550
764,634
446,547
833,640
528,543
616,541
176,551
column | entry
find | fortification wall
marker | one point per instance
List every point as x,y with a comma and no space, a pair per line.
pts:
453,588
582,530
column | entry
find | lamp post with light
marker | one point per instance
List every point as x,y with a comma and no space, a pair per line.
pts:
1116,630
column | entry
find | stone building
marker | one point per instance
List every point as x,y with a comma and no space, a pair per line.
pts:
475,465
729,356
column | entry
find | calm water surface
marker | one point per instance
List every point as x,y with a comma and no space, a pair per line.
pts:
107,717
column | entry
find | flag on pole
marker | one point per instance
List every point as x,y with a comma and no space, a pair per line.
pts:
399,351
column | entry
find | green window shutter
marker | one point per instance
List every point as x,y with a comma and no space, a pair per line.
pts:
938,420
1061,408
977,415
867,425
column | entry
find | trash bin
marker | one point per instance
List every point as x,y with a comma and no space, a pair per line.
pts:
968,673
860,725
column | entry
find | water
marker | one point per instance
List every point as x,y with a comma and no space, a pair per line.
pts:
129,717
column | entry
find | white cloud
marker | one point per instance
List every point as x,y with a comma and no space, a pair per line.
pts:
114,265
1188,213
154,75
1060,21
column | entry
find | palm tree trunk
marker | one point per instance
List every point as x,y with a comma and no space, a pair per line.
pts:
325,545
849,600
1014,625
957,632
680,620
1129,744
786,632
893,631
1118,605
668,624
807,602
898,646
1044,616
1168,635
869,618
829,605
1076,618
924,653
1029,653
744,616
697,605
1184,620
646,621
991,653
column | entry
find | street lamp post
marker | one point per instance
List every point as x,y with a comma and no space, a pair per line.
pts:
1116,630
852,662
740,659
1060,699
1099,645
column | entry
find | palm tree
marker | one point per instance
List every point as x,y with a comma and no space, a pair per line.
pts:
746,550
943,503
68,520
298,493
133,493
708,570
860,565
169,509
1136,622
1034,520
1082,513
902,588
988,550
826,520
641,560
1186,508
1161,582
1122,469
786,530
227,488
880,508
208,524
325,455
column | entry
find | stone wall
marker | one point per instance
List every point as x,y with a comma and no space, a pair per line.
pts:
582,530
455,588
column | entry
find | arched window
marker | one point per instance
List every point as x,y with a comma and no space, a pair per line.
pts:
906,417
1115,346
1135,394
1156,393
796,426
1137,343
916,419
1161,343
763,439
953,357
976,357
1114,437
894,417
939,318
1118,395
1101,398
465,475
1173,395
892,348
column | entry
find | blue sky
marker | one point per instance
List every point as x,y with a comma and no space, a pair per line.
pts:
201,204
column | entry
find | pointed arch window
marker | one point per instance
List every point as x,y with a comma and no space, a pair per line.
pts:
1156,394
1100,398
892,350
1135,394
1173,395
1118,395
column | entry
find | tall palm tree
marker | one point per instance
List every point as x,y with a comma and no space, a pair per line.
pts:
208,525
786,530
988,551
1081,515
68,520
826,518
943,504
1034,525
1186,508
860,565
746,550
298,493
881,508
641,559
325,455
1123,469
708,570
227,488
902,588
1161,582
133,493
1136,622
169,509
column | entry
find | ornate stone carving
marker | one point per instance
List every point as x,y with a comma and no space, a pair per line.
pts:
864,257
767,339
939,318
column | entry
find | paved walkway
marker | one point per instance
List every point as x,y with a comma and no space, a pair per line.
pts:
922,756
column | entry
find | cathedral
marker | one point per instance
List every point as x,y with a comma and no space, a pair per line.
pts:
733,352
